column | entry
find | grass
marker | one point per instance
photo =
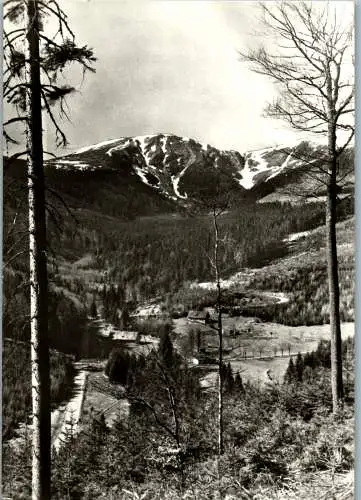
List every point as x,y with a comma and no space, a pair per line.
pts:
258,368
98,399
320,485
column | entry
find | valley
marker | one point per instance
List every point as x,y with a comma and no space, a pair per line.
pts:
132,283
178,306
258,351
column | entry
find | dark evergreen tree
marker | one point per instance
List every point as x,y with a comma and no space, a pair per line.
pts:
309,359
165,349
299,367
124,318
238,383
323,353
93,309
228,379
290,375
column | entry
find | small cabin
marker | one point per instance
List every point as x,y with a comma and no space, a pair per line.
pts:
197,315
205,317
125,336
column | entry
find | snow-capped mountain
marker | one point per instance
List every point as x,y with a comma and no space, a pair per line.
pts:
169,164
179,169
264,164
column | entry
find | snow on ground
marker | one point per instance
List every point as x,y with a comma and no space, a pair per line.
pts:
141,139
250,172
65,419
148,310
137,169
118,147
163,142
177,178
72,163
297,236
240,278
99,145
278,170
143,177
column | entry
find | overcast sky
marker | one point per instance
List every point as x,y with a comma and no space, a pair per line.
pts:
169,66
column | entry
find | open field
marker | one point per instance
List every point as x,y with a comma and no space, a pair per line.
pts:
265,349
100,400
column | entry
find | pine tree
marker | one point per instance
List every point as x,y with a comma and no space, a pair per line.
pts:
93,309
165,349
299,367
238,383
31,58
228,379
290,374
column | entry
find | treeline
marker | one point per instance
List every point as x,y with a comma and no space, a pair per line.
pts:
129,369
116,306
166,448
67,316
304,366
16,383
157,256
307,288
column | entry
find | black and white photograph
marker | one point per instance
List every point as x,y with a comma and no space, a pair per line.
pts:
178,250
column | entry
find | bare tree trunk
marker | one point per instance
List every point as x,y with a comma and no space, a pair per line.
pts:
41,440
220,338
332,270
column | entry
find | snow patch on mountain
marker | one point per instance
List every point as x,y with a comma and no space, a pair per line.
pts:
163,142
80,165
176,178
119,147
256,164
278,170
143,177
175,181
141,139
99,145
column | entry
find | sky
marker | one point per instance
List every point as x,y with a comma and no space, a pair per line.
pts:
169,66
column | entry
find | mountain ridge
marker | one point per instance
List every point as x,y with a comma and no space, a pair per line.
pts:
177,166
163,173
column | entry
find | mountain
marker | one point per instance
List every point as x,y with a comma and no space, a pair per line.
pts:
179,168
176,168
162,173
296,173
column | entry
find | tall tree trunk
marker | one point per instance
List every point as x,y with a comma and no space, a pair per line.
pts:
220,337
41,433
332,270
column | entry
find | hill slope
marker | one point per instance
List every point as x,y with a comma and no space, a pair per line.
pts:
163,173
